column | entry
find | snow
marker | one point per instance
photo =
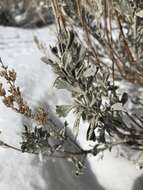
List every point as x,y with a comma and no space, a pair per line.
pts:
21,171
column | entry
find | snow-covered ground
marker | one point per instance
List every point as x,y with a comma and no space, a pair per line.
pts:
21,171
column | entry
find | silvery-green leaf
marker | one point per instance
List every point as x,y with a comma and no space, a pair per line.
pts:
82,53
70,39
117,107
90,134
46,60
76,125
140,13
79,72
66,59
62,84
55,65
63,110
89,72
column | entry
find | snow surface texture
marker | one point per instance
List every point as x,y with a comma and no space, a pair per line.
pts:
21,171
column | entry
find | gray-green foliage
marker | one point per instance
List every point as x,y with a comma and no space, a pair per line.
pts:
94,95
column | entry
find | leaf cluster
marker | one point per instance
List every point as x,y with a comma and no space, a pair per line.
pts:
95,97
